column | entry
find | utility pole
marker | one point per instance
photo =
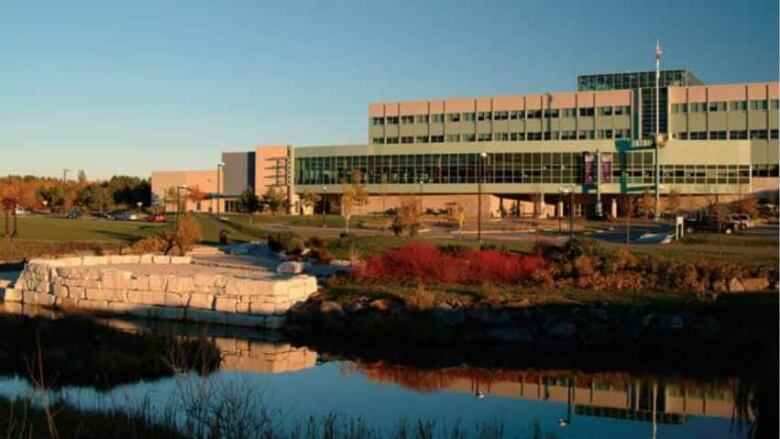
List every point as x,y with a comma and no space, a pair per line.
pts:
65,174
480,176
658,53
599,212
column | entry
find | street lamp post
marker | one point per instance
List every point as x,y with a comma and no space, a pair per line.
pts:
565,422
571,215
421,196
220,165
480,177
139,204
324,203
560,210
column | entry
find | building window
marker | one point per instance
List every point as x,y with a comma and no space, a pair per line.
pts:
605,111
407,139
469,116
378,140
604,134
773,134
738,135
484,115
453,117
622,110
738,105
585,135
758,105
502,137
437,139
377,120
422,118
758,134
501,115
698,107
437,118
392,120
774,104
684,135
551,113
718,135
520,114
533,114
484,137
622,134
586,111
392,140
569,112
422,139
534,136
698,135
469,137
716,106
515,137
453,137
407,120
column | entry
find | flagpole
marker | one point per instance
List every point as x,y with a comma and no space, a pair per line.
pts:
657,129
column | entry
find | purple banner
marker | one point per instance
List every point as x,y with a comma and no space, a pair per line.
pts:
606,168
587,169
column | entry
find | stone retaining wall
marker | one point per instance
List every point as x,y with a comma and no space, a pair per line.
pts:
258,299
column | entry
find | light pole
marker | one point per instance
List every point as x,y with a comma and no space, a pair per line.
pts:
480,177
179,188
560,209
324,203
421,196
570,192
65,174
564,422
139,204
220,165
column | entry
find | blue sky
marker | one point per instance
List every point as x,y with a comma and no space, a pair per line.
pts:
131,86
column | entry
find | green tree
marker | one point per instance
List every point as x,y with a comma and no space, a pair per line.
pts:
309,199
248,201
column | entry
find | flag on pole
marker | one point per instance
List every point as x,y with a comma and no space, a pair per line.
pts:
658,51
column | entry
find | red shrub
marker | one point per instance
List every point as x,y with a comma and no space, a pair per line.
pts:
429,264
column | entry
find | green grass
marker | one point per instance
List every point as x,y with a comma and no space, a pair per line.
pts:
81,230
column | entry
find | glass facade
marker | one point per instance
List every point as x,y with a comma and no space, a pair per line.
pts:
635,167
633,80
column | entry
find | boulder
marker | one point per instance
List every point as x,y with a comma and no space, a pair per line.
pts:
755,284
290,267
331,308
735,286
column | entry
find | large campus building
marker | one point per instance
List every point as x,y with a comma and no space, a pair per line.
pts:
523,152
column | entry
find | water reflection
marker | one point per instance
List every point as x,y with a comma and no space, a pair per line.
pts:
574,403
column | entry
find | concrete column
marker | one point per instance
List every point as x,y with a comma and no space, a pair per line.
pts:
540,207
613,208
559,211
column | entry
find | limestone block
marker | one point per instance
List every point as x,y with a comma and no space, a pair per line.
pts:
261,287
280,288
220,281
94,305
94,260
13,295
177,300
243,307
183,284
43,299
161,259
225,304
37,267
122,307
146,258
105,294
116,279
60,290
202,301
77,292
68,272
28,297
146,297
72,282
67,302
290,267
282,308
157,282
263,308
205,279
91,273
141,283
275,322
69,262
92,283
236,287
125,259
180,260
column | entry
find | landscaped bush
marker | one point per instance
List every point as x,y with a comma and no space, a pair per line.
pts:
150,244
430,264
287,242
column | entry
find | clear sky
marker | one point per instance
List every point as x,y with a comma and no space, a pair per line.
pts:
131,86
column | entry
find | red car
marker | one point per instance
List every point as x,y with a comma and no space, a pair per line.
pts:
156,218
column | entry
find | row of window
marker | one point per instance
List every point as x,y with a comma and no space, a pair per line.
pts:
727,135
712,107
550,113
507,137
537,167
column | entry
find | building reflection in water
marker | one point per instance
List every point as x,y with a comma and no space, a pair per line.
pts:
608,395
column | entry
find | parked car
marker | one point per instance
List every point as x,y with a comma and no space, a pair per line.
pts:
711,224
743,219
156,218
104,215
19,211
73,214
126,215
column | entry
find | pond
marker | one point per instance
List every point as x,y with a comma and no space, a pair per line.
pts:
264,374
